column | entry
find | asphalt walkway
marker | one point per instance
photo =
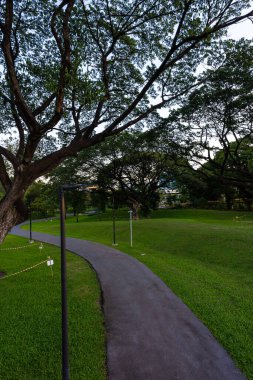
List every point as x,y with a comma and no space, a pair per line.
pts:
151,334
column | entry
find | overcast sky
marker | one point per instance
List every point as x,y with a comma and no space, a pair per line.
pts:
243,29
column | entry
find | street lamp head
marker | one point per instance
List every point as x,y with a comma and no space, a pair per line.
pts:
73,186
82,186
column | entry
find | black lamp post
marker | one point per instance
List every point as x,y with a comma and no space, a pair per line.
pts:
64,308
113,219
131,227
65,356
30,221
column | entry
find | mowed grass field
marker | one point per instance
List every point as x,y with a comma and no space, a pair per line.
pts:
205,257
30,319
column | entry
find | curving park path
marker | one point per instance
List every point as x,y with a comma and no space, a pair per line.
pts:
151,334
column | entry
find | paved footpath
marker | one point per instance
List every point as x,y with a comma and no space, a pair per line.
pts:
151,334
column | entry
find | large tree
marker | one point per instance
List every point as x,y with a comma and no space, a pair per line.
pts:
230,173
217,123
90,70
135,168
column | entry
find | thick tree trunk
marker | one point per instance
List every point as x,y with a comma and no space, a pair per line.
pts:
136,207
12,212
248,204
228,201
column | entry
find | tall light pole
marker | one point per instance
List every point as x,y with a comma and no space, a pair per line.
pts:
64,305
131,227
30,221
113,202
113,219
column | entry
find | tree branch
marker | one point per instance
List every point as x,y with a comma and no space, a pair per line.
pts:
4,177
23,108
44,105
65,51
20,131
9,156
190,43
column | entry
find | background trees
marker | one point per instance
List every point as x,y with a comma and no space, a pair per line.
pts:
41,199
216,127
135,170
130,168
231,176
220,111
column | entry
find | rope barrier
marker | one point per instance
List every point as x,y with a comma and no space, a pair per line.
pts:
23,246
41,246
24,270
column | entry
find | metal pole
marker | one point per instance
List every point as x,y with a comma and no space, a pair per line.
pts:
65,364
113,219
30,215
77,208
131,227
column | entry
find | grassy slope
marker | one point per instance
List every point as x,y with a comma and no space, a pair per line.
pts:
206,257
30,322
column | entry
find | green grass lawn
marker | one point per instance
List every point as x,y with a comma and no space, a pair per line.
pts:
30,321
206,257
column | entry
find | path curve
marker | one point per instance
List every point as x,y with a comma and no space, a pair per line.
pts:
151,334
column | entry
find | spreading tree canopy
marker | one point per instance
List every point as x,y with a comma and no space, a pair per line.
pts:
87,70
